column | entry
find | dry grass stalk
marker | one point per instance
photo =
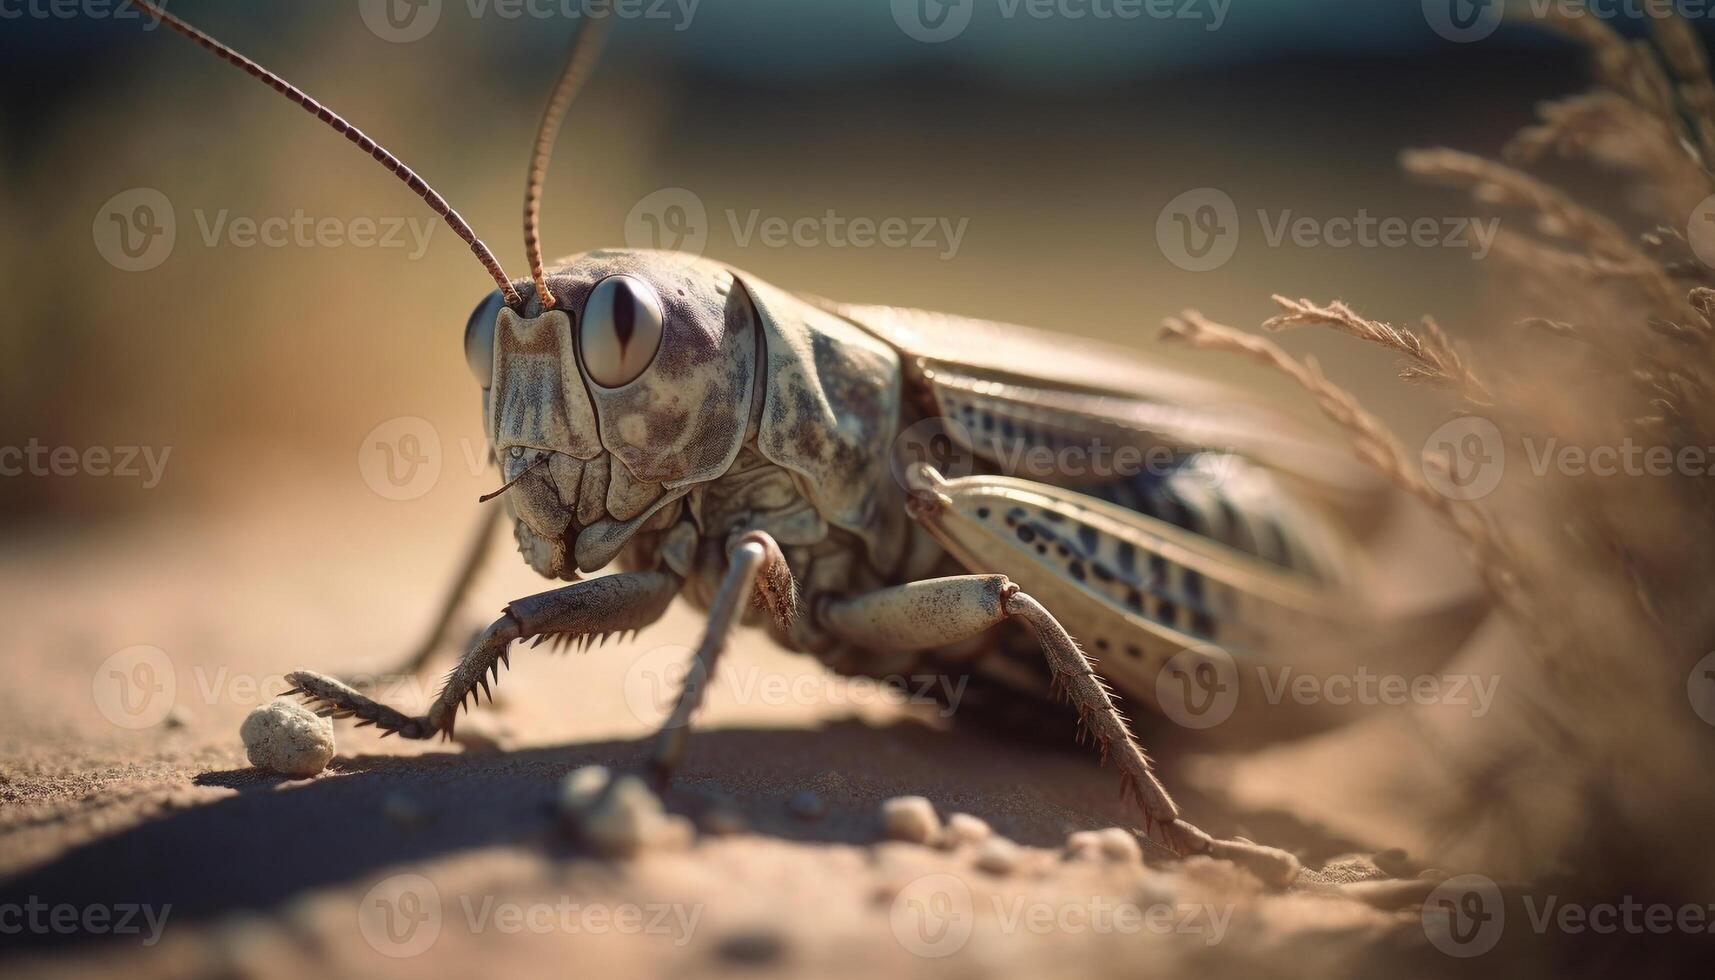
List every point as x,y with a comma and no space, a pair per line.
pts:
1558,215
1374,444
1607,577
1437,360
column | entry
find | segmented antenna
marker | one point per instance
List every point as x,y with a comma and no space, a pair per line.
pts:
393,164
586,48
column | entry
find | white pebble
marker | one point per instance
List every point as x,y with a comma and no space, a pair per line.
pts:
962,828
910,818
997,855
620,815
1120,844
580,788
287,738
1084,845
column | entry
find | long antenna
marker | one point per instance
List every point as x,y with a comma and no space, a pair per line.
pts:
393,164
586,49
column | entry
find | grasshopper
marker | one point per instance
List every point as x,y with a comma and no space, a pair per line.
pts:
847,476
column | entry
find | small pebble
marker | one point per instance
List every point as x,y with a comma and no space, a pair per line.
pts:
580,788
807,805
1120,844
962,828
625,820
910,818
619,815
1084,845
285,737
997,856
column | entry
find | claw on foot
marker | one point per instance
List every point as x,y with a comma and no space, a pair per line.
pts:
336,699
1276,868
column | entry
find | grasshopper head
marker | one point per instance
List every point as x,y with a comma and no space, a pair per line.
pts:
637,384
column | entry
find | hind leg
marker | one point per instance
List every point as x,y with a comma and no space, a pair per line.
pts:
937,612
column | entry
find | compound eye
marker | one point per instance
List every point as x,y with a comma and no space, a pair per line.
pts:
620,332
479,338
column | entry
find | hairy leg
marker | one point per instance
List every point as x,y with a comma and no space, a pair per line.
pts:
937,612
610,604
756,572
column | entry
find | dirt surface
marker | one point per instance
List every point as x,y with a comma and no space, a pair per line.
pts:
405,857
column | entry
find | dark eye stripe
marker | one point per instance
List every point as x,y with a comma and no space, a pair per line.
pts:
624,316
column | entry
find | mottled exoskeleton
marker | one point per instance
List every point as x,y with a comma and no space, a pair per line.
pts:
853,477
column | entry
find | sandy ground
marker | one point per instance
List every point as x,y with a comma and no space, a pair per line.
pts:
414,857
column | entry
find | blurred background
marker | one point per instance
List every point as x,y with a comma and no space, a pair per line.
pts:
1043,141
